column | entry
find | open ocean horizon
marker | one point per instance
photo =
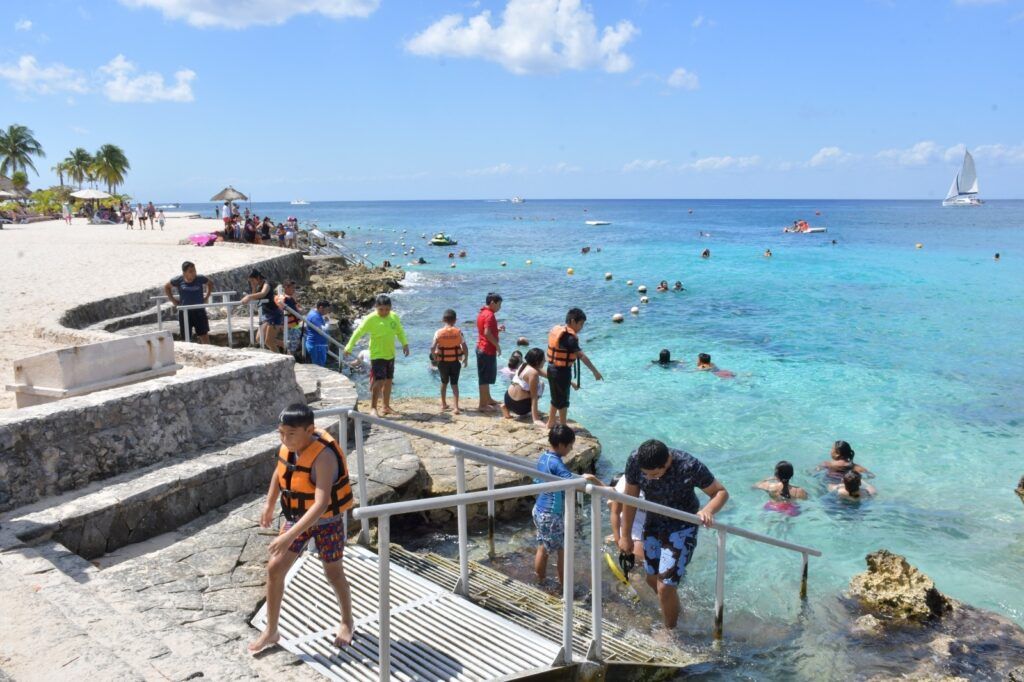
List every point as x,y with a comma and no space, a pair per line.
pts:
913,355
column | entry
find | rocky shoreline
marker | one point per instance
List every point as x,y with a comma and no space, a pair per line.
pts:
350,288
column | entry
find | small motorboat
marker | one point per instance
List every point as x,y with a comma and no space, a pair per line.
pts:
595,223
441,239
805,230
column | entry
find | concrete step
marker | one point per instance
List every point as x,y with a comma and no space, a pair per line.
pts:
132,507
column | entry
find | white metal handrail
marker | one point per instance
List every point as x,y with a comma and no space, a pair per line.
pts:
384,512
225,295
230,305
723,529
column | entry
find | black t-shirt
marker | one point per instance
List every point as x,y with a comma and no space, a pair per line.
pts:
676,489
569,342
190,293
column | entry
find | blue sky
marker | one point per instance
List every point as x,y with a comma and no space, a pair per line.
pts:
402,99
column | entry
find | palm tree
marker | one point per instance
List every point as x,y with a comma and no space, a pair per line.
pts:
20,180
60,168
111,165
78,164
17,147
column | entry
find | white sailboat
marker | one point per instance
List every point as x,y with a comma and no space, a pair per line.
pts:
964,190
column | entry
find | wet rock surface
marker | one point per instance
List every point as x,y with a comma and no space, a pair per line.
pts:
350,288
909,619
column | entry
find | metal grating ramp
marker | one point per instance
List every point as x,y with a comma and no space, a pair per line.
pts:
435,635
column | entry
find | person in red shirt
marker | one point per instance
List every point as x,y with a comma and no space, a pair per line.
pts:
488,348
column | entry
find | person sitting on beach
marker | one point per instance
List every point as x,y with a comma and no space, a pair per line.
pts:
509,371
665,359
313,484
549,509
450,351
781,492
706,253
704,364
383,326
663,285
636,531
563,353
526,388
852,488
678,286
841,461
192,289
669,476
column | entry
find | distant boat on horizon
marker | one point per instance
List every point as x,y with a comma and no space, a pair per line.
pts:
517,200
299,202
169,206
964,190
595,223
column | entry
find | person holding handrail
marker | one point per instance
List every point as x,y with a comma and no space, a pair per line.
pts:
192,289
668,476
293,323
316,344
271,316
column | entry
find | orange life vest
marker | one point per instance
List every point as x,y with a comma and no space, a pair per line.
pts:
559,357
449,344
294,476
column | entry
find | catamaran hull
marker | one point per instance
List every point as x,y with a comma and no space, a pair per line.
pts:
963,201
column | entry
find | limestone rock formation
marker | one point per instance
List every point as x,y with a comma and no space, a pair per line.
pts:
896,592
350,288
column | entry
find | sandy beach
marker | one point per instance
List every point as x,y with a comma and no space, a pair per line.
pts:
50,267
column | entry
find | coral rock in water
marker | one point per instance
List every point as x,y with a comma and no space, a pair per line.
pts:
895,591
1020,493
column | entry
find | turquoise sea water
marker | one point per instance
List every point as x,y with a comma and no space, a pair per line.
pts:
911,355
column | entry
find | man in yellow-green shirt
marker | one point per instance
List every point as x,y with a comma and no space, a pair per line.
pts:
383,327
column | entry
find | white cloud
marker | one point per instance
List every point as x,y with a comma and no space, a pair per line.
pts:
124,85
954,153
1000,153
533,36
683,79
920,154
701,20
23,25
714,163
828,156
79,130
242,13
563,167
644,165
28,76
499,169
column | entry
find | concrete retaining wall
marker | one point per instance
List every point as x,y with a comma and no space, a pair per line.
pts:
49,449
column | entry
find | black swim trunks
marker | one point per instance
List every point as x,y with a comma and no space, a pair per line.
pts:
560,380
449,371
519,408
486,368
198,322
382,369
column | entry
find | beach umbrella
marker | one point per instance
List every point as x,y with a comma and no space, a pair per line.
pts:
229,193
90,194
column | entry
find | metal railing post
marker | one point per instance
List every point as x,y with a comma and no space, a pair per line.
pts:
159,316
803,577
252,334
462,587
490,512
384,597
596,607
364,530
568,575
231,311
719,586
188,328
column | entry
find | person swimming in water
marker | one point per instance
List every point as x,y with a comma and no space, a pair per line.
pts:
704,364
663,285
767,253
780,491
665,359
841,461
852,488
706,253
678,286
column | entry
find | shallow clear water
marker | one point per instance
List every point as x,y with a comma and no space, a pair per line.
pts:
912,355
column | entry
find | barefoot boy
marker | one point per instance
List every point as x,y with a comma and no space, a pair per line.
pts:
563,352
383,327
549,509
452,354
312,481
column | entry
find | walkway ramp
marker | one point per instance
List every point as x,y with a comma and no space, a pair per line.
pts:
435,634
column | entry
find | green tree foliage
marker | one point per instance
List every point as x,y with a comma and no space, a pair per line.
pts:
20,180
78,164
17,147
110,165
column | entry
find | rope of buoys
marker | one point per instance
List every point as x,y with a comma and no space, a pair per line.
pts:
629,282
607,275
635,310
642,289
643,299
617,318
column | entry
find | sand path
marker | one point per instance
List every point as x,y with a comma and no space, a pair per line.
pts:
48,267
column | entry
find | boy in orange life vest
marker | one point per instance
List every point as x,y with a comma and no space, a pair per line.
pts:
452,354
563,351
312,481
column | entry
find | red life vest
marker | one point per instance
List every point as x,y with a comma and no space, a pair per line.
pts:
557,356
294,476
449,344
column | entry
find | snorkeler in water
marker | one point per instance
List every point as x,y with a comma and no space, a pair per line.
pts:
780,491
704,364
665,359
852,488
